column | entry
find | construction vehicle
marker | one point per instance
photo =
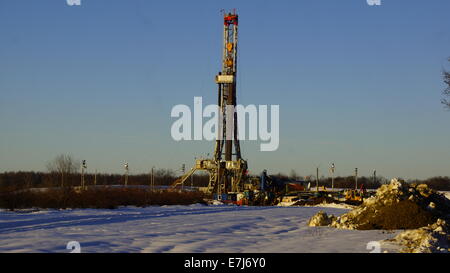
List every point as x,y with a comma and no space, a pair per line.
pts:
227,170
355,196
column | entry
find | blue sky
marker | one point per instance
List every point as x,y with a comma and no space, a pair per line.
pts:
357,85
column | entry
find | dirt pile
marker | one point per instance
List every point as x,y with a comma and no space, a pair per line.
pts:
397,205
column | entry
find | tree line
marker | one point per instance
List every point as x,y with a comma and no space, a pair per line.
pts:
164,177
24,180
64,171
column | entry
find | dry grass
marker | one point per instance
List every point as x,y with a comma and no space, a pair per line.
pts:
106,198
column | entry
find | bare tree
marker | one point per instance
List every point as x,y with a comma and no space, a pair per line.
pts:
293,175
164,176
446,92
63,164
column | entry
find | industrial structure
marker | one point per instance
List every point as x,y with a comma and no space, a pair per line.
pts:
227,170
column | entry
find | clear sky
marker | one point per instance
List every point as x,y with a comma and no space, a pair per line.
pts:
357,85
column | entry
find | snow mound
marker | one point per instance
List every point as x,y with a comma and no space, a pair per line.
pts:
334,205
321,219
430,239
397,205
215,203
287,204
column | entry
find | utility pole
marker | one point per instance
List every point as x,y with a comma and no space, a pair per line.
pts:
332,176
152,180
126,173
317,179
83,166
356,178
183,170
192,177
374,176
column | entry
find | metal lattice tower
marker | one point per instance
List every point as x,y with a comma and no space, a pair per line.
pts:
226,174
226,81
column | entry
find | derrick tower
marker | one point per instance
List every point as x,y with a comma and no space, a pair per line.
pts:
227,170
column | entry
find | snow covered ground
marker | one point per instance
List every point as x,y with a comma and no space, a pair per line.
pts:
195,228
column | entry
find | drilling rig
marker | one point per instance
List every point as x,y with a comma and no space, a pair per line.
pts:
227,170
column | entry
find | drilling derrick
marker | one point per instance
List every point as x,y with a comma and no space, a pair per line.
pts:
227,134
227,170
226,81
